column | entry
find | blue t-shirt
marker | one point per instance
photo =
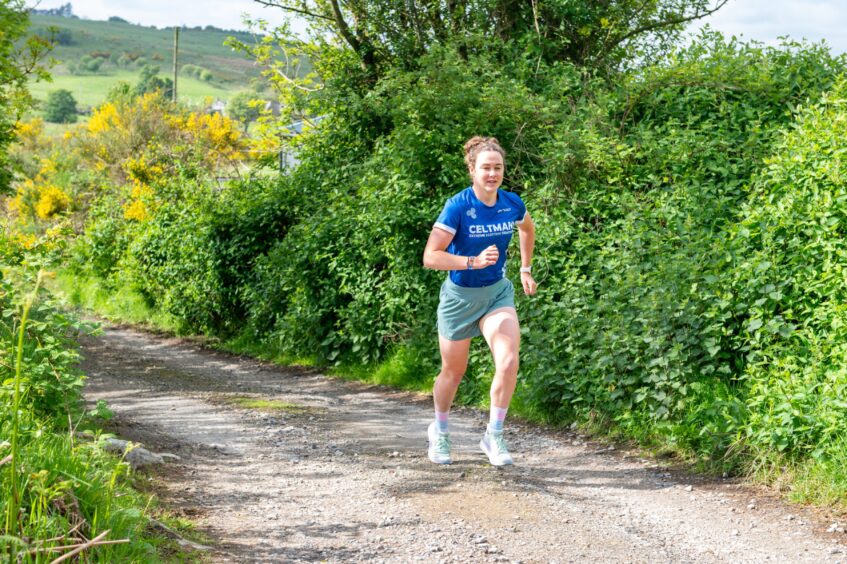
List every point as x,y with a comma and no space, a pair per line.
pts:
475,226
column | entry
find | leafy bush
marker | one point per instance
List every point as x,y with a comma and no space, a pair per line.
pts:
94,65
789,289
63,36
244,107
366,290
60,107
149,81
197,72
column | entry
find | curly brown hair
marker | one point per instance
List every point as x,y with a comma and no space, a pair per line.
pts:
476,144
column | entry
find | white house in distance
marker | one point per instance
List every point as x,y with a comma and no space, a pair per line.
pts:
217,107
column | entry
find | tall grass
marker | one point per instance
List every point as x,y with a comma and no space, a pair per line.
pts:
61,495
12,509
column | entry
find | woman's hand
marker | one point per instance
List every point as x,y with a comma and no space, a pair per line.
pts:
487,257
529,284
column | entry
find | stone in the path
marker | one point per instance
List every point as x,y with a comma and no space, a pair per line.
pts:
136,455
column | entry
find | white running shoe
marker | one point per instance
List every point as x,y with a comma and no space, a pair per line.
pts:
439,445
494,446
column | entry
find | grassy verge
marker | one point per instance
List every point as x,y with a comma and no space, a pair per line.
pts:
119,305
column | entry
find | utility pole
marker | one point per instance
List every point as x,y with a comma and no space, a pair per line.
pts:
176,52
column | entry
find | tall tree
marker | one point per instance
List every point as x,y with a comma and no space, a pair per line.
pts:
598,33
243,107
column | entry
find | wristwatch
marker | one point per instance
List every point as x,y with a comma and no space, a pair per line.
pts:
526,269
470,262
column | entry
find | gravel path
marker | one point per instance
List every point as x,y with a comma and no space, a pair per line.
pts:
340,474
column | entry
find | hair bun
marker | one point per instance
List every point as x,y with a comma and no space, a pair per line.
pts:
477,144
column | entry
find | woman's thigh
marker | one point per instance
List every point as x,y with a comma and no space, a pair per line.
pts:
502,332
454,355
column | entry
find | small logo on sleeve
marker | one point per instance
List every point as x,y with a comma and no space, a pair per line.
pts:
472,213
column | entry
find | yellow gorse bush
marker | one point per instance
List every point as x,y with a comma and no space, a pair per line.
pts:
136,144
127,138
142,174
136,210
29,131
142,170
24,240
105,118
219,131
48,168
38,199
19,240
29,137
52,200
16,205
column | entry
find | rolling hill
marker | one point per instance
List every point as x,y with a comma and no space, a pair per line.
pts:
119,49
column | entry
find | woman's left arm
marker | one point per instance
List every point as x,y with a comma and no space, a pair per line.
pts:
526,236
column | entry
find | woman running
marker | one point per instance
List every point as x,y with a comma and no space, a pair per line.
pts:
470,239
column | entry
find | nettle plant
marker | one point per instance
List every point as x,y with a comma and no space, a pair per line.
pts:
789,285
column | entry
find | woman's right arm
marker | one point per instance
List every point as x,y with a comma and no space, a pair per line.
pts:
436,256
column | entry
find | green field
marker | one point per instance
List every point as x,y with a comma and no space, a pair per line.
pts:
91,90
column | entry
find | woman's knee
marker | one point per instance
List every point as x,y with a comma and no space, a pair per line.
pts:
507,364
451,374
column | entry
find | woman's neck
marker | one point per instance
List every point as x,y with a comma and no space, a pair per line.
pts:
487,198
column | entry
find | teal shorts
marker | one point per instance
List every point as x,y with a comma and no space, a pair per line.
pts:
460,308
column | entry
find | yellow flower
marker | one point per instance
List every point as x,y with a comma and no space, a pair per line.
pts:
55,231
51,202
140,189
136,210
25,241
140,170
103,119
216,130
29,130
151,100
16,205
48,168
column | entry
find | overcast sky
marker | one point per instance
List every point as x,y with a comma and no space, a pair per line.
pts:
767,20
763,20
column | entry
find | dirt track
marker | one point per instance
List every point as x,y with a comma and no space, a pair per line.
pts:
340,474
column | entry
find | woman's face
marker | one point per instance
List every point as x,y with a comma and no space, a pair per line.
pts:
487,173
